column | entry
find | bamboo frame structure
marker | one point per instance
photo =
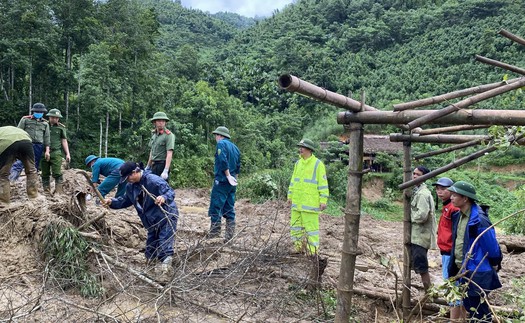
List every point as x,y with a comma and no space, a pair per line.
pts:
448,149
359,114
511,36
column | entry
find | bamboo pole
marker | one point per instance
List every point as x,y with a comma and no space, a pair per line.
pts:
294,84
448,149
465,116
407,227
448,167
451,95
465,103
351,229
448,129
439,139
505,66
511,36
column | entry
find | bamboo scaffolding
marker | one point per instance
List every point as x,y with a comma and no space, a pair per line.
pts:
349,250
505,66
407,228
465,116
450,95
294,84
511,36
448,129
448,149
448,167
465,103
439,139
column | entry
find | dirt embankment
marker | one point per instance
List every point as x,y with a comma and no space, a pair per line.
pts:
253,278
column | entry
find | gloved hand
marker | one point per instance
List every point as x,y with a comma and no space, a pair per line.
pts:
164,174
232,180
147,168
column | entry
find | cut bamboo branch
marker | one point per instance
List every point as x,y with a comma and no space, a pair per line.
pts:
448,129
294,84
445,168
448,149
472,117
511,36
439,139
451,95
505,66
465,103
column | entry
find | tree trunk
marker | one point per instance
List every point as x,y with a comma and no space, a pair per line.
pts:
30,101
100,139
107,131
68,71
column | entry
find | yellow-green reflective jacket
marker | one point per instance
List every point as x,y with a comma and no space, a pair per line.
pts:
308,186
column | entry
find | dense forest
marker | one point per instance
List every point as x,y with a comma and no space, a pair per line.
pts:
110,65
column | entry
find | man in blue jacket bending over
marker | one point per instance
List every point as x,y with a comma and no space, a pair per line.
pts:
154,201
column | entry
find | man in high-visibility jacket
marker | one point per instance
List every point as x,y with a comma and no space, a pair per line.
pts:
308,194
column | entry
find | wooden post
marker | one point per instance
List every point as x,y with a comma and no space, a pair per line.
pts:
511,36
464,116
351,229
407,227
448,149
449,96
448,167
504,66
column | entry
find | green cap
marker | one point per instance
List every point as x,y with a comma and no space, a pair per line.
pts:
465,189
307,143
54,113
159,116
223,131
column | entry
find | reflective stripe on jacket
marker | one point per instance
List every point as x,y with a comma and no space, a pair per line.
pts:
308,187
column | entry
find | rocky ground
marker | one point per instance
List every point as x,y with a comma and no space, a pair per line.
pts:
253,278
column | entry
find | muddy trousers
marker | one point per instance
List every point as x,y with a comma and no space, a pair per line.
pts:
110,182
23,151
16,169
160,239
52,167
222,203
304,230
477,310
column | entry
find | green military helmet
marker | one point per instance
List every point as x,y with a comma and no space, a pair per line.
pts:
223,131
307,143
159,116
54,113
38,107
465,189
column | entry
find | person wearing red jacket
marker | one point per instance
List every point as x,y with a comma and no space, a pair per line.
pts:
444,238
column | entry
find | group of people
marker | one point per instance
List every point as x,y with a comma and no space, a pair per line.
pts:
468,247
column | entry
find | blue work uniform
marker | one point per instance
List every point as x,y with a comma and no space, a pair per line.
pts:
227,156
109,168
159,221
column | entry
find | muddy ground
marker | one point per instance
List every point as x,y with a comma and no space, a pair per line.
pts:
253,278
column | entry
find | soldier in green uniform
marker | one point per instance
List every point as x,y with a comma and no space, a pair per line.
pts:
15,144
162,144
58,143
38,129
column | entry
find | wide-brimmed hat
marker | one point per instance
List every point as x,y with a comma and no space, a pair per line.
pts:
54,113
465,189
307,143
126,169
444,181
223,131
159,116
90,158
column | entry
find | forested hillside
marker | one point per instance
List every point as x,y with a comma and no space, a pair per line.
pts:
109,65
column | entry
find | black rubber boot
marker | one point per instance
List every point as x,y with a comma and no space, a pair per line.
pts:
215,230
230,230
